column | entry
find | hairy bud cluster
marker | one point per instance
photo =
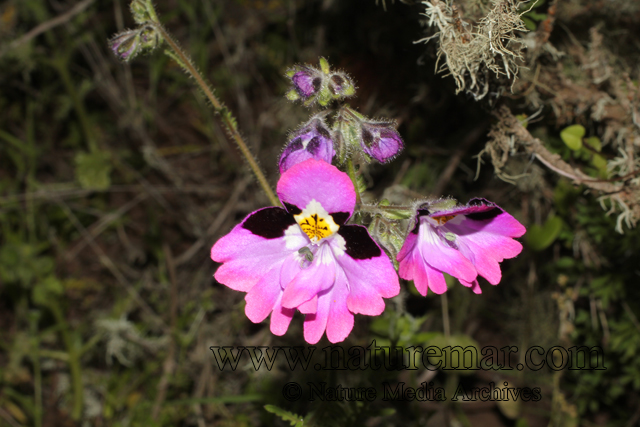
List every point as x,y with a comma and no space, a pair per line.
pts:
319,85
350,133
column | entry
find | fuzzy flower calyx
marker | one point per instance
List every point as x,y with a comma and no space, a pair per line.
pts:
312,140
304,256
462,241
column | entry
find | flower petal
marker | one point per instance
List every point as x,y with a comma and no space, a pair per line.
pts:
441,256
309,307
369,281
280,319
254,246
315,324
315,179
262,298
318,276
485,238
340,322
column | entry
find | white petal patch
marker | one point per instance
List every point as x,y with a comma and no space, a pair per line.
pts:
294,238
338,245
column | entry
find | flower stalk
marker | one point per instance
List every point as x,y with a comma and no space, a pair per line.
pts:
225,115
351,171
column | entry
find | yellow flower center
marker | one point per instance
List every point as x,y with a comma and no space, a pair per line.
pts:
316,222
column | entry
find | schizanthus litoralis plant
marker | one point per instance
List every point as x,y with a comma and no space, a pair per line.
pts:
314,256
320,250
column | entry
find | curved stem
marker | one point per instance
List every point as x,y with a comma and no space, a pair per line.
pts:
351,170
221,109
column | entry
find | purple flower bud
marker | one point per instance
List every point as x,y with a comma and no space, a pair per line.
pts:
125,45
307,82
380,141
340,85
311,141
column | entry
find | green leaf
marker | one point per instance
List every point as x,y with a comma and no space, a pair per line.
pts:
539,238
572,136
295,419
594,142
93,169
398,213
536,16
531,26
599,162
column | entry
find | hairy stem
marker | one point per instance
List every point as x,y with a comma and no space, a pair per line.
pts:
351,170
221,109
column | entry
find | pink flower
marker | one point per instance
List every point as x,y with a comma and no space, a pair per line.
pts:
305,257
463,241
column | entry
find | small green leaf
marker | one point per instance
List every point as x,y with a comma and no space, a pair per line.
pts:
294,419
539,238
594,142
599,162
536,16
398,213
572,136
93,169
531,26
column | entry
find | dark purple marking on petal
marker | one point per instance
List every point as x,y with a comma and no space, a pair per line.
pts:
482,216
340,217
476,202
293,209
367,137
314,145
423,212
359,244
416,228
269,223
317,82
296,144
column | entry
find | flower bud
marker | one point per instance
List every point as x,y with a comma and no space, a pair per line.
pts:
320,86
307,82
130,43
380,140
142,11
312,140
340,85
125,45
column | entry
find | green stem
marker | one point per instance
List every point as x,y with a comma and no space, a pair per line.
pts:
221,109
351,170
74,361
